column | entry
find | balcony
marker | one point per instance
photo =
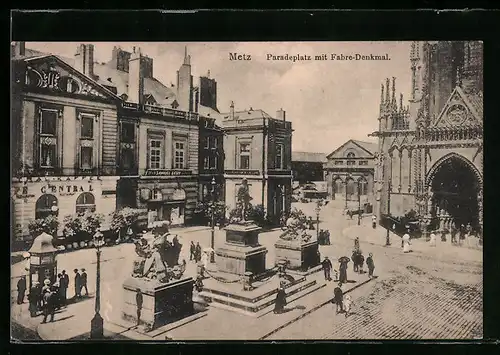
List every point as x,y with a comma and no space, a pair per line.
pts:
161,111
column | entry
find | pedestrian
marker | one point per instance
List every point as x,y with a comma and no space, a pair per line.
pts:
78,286
34,299
55,289
280,302
45,288
347,303
338,296
83,282
327,267
406,243
197,252
21,289
48,305
38,295
370,264
432,241
343,269
138,301
354,257
192,251
64,283
327,234
361,262
356,243
374,221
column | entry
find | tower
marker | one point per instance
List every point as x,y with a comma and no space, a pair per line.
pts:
185,84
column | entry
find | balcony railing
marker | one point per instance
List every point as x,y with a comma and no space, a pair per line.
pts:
162,111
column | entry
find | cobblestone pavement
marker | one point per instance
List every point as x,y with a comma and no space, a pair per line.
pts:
417,296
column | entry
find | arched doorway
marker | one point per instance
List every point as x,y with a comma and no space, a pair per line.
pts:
456,184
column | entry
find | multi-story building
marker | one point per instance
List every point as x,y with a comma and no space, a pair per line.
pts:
347,166
307,166
431,152
258,148
64,141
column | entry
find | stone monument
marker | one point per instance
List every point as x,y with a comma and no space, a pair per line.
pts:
295,246
242,252
158,276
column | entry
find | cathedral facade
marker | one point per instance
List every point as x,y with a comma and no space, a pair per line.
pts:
430,151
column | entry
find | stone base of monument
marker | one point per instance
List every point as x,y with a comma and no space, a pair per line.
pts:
242,253
162,303
301,257
226,291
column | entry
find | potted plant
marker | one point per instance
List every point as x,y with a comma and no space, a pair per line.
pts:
49,225
80,229
124,222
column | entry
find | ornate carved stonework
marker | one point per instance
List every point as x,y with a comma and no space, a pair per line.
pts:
456,114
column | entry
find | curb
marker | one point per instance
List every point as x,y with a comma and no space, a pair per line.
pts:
310,311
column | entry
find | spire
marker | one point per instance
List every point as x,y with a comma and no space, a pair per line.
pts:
208,74
387,97
401,108
382,95
394,92
187,58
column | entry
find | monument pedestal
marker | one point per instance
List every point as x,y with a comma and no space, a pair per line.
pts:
301,256
242,252
162,303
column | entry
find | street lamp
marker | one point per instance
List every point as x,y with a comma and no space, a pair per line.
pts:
318,210
346,179
359,202
389,187
97,323
212,254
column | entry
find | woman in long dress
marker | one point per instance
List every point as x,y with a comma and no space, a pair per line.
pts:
406,243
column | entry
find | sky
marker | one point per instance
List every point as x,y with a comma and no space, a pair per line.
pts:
327,101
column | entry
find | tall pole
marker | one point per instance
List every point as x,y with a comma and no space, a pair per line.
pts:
317,223
97,323
212,239
346,192
359,203
387,237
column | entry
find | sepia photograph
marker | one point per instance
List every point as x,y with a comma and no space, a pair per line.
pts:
195,191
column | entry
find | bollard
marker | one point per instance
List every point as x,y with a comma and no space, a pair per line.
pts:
247,281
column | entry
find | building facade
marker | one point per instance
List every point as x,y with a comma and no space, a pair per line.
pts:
258,148
430,156
307,167
64,141
349,168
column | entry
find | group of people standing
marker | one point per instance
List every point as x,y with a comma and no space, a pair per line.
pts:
195,252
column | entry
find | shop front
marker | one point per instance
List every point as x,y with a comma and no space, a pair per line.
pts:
38,198
166,201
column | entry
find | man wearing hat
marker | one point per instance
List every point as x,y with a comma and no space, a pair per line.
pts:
370,264
327,267
338,298
64,283
21,289
78,286
84,282
34,298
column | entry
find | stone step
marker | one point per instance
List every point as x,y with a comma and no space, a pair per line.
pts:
245,295
257,307
269,308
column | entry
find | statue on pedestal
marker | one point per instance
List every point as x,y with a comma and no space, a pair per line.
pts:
243,205
296,227
158,257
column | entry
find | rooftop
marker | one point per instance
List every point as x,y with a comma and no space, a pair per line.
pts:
309,157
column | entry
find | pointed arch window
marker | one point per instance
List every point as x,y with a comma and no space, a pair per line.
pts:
85,202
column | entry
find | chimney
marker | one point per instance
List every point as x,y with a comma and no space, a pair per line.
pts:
19,48
84,59
135,78
280,114
231,111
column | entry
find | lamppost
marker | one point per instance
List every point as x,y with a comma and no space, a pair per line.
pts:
359,202
346,180
318,210
389,187
212,256
97,323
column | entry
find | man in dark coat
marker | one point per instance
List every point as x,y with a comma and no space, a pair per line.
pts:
361,261
37,288
343,269
83,281
338,297
49,307
354,258
64,284
34,299
78,286
139,302
327,267
21,289
192,251
370,264
197,252
280,302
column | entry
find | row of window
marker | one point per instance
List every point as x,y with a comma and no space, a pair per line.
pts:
48,139
211,142
156,151
47,205
351,162
210,162
244,156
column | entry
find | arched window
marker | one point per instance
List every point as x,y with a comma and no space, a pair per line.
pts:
85,202
45,206
351,155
